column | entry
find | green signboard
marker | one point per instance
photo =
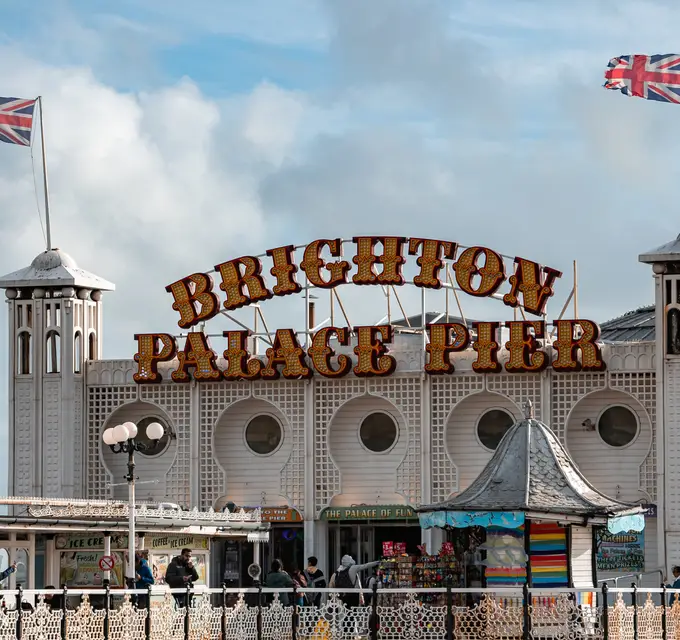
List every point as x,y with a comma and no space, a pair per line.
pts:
370,512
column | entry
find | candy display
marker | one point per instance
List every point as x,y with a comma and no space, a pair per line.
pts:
399,571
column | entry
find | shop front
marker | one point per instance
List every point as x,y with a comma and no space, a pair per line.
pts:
364,531
78,557
285,543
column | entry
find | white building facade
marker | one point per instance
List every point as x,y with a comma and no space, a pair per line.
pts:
338,463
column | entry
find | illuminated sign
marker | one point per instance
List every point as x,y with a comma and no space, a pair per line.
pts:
379,260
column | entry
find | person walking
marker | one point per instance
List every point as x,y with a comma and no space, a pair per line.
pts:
181,572
347,577
277,578
315,580
144,579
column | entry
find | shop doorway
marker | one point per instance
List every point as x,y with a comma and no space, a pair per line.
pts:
364,541
287,545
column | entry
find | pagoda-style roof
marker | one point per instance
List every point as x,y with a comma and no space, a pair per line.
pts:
532,472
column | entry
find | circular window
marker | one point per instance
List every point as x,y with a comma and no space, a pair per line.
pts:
263,434
492,427
153,447
378,432
617,426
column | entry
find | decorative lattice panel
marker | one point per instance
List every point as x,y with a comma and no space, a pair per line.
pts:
52,438
405,393
519,387
78,430
642,386
102,401
214,399
23,437
446,392
567,390
672,426
289,397
330,395
175,400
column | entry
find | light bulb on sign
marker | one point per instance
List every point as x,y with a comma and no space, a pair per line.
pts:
120,433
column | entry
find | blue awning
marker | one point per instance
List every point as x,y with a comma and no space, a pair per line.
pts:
624,524
464,519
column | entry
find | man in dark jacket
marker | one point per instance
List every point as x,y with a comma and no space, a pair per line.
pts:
181,572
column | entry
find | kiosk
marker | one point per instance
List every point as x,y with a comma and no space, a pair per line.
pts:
533,513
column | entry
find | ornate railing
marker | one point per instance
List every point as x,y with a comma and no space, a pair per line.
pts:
400,614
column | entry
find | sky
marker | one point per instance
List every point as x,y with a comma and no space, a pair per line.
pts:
183,135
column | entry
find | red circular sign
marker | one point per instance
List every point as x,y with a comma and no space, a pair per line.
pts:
106,563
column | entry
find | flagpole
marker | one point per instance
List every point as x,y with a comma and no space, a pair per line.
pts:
44,165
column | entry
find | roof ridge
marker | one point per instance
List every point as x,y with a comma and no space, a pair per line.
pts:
627,314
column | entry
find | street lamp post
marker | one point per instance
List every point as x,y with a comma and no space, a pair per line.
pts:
121,439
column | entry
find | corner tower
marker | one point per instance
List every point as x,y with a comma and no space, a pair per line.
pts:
54,325
665,261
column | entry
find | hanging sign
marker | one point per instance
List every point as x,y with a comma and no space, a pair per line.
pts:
379,260
364,512
91,541
176,542
276,514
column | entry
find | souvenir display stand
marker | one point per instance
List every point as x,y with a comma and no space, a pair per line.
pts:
537,512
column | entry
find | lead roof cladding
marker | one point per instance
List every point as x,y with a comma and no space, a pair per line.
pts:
634,326
531,471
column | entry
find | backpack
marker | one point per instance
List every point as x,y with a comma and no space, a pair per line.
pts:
343,580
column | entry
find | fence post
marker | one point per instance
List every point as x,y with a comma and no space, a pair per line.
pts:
664,612
224,612
449,613
63,611
107,606
20,600
295,612
605,611
187,623
147,623
635,612
374,620
526,615
258,620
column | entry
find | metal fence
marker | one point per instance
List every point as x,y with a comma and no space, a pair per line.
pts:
382,614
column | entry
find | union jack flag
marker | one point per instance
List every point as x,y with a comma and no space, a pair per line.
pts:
16,120
654,77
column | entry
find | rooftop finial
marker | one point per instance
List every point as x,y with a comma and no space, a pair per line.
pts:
528,409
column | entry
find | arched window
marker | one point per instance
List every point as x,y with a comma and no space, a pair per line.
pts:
92,347
673,332
78,353
24,353
52,352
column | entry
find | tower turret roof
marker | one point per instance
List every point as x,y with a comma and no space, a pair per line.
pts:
54,268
